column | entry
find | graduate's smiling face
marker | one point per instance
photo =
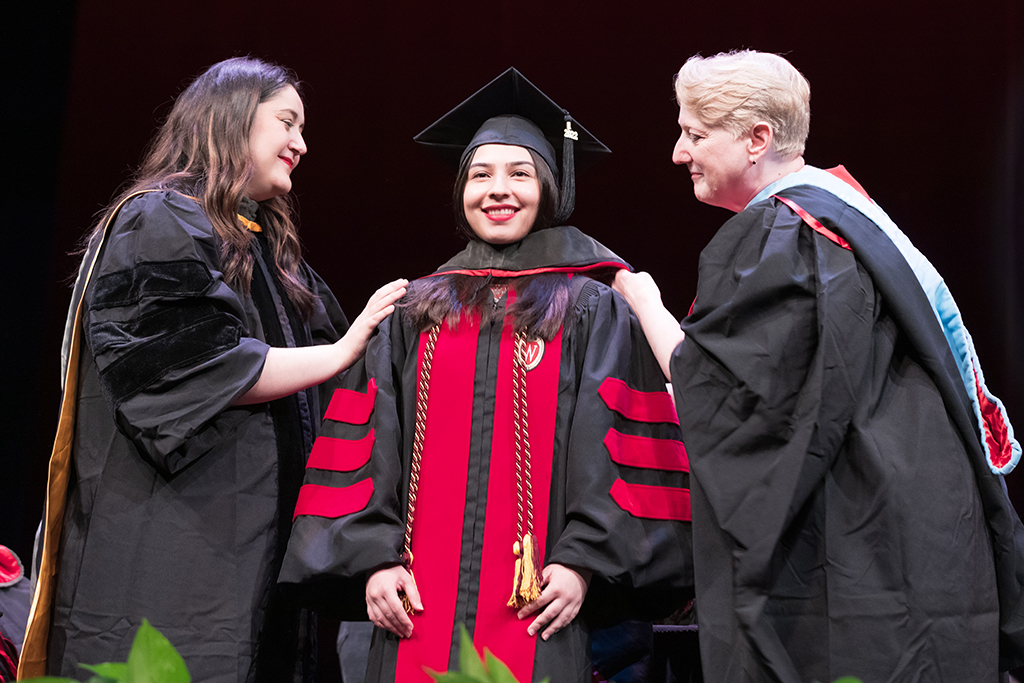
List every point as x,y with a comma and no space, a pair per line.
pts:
276,144
718,161
502,193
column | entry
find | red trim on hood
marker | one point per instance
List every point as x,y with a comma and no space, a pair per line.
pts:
494,272
996,436
813,222
844,175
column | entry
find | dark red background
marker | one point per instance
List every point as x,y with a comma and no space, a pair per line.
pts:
925,106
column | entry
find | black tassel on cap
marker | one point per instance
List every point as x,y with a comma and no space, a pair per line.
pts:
568,199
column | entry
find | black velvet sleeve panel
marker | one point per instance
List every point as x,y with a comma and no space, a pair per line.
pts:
147,280
174,344
626,553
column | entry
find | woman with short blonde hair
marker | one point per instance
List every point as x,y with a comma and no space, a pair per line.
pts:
849,513
735,90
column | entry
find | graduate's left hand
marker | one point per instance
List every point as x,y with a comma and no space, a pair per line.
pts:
561,598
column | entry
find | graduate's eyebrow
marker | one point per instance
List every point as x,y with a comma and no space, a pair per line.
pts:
487,164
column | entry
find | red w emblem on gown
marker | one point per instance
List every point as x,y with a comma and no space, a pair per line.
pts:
534,353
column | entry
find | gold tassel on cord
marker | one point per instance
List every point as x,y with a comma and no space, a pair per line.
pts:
406,602
526,584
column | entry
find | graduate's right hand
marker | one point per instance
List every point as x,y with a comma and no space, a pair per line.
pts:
383,603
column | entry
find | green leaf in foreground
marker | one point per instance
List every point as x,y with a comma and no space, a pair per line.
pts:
116,671
470,663
154,660
472,666
499,672
455,677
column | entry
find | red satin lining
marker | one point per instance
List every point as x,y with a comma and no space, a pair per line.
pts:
340,455
642,406
813,222
844,175
352,407
331,501
996,435
532,271
652,502
646,452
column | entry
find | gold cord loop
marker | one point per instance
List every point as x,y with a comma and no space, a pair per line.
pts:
419,437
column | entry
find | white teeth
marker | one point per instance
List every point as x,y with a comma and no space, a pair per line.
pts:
500,212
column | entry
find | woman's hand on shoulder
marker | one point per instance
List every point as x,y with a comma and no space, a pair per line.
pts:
561,599
638,289
384,601
380,306
660,327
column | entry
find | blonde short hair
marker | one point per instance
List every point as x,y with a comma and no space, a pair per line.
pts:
735,90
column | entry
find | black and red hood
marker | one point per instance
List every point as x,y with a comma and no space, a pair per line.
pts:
563,249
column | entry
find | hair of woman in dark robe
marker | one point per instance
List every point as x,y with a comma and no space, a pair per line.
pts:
202,150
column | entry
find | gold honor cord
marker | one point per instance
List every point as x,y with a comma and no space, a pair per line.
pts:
419,437
526,584
527,580
33,653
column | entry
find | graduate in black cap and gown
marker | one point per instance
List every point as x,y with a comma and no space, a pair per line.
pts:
506,456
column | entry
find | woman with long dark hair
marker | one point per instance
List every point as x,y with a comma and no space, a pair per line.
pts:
192,403
506,456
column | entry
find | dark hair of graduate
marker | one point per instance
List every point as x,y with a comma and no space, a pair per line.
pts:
542,300
202,150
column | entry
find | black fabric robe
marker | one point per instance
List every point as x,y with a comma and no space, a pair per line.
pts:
174,508
353,520
845,519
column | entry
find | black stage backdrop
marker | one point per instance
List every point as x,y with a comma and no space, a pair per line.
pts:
923,104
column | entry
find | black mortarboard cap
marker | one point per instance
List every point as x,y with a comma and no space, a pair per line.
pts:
511,110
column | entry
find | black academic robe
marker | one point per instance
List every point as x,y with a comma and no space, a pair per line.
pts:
174,511
608,473
845,519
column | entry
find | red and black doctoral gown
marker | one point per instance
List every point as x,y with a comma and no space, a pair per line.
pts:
609,473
